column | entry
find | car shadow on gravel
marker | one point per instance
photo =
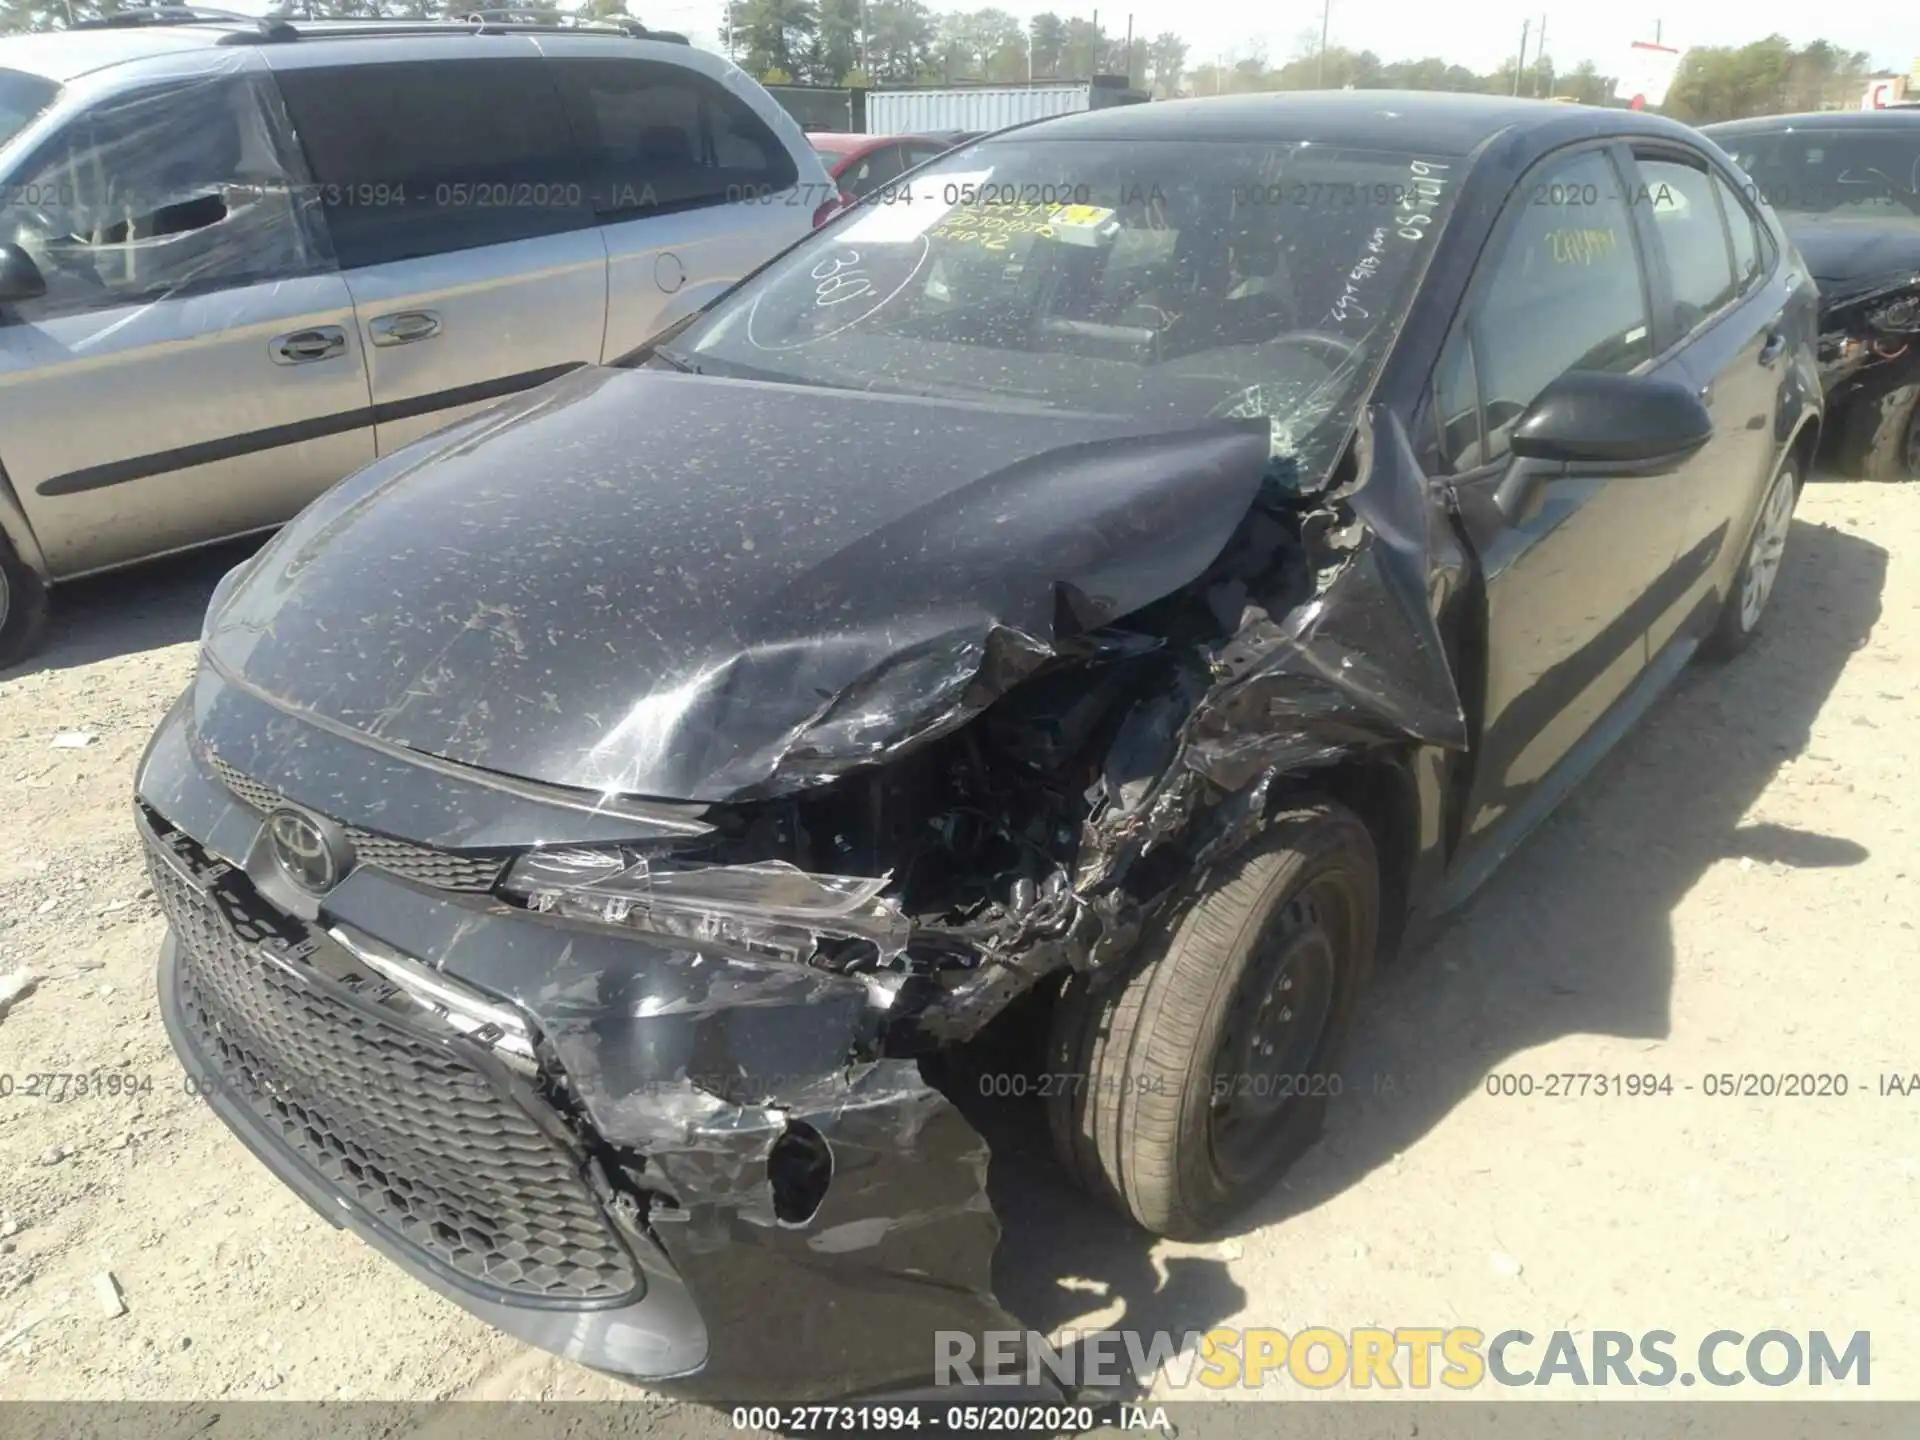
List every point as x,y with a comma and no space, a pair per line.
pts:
1572,935
1065,1261
143,608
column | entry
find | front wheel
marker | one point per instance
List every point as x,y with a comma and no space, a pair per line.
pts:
1753,585
23,608
1197,1076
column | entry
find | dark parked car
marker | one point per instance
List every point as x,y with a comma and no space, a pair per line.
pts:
1139,577
1847,187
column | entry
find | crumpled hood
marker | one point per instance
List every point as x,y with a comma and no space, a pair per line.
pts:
702,589
1848,255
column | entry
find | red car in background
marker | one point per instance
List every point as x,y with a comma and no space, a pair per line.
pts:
860,164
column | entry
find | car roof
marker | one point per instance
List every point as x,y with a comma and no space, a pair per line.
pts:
63,55
1820,120
1412,121
843,143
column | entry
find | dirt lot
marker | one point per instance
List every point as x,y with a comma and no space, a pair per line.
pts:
1736,891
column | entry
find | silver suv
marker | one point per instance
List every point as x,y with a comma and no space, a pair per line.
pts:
240,258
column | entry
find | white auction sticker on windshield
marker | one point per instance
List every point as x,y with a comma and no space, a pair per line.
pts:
904,213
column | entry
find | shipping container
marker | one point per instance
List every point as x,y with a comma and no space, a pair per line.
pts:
924,111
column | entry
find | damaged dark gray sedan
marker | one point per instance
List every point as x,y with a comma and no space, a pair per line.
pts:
1139,568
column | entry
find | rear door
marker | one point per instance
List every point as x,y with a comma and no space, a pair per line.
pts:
691,185
1730,341
458,207
192,370
1575,567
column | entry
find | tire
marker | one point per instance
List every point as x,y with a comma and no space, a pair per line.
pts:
1759,573
1882,437
23,608
1163,1116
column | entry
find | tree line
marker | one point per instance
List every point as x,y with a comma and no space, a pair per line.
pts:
896,42
819,42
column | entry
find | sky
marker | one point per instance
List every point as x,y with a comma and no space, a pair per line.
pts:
1231,30
1481,37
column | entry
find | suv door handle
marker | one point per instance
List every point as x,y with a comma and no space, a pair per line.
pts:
302,347
1774,348
405,327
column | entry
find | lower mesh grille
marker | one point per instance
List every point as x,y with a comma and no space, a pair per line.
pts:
406,1129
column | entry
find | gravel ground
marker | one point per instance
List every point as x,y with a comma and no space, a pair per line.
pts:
1734,892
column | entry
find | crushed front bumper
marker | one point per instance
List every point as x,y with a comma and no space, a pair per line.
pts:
615,1203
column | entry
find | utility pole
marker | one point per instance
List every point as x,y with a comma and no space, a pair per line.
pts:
1093,56
1129,47
1526,29
1320,64
1539,58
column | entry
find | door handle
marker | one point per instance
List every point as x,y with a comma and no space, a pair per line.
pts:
1774,348
405,327
302,347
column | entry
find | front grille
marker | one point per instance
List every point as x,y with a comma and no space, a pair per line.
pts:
419,1139
442,869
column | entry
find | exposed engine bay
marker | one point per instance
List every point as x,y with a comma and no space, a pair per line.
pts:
1043,833
1864,332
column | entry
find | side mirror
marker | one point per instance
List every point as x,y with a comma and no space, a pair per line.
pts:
1599,419
20,278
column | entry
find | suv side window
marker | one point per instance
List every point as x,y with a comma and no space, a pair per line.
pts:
1743,230
175,188
1564,291
662,137
416,158
1693,236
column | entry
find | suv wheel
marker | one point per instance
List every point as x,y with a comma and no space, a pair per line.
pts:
1200,1073
1753,586
23,608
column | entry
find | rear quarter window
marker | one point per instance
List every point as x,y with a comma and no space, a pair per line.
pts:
660,137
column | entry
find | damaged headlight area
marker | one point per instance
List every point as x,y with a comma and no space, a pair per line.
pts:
773,908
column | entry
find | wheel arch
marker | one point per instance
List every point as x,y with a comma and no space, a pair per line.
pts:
18,531
1803,446
1384,793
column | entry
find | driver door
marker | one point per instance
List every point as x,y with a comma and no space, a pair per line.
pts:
193,370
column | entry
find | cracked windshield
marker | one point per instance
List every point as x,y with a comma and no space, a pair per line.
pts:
1174,280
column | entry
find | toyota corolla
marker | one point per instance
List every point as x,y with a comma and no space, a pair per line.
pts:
1140,567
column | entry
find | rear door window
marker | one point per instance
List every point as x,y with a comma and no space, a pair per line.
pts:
421,158
660,137
873,170
1692,236
1565,292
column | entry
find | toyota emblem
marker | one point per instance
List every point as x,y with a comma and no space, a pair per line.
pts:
301,850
